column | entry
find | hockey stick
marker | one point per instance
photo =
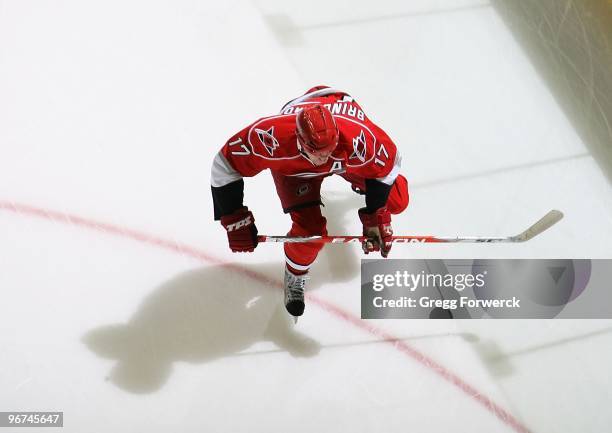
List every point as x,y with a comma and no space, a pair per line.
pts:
544,223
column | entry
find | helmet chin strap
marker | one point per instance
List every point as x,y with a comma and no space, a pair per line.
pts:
304,153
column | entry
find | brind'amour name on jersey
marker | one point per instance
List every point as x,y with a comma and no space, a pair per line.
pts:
337,108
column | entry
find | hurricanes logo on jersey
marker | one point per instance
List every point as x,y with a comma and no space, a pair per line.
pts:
359,147
267,139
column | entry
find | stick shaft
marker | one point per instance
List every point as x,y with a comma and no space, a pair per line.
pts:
359,239
544,223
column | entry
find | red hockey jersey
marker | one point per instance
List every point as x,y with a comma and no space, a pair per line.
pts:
363,150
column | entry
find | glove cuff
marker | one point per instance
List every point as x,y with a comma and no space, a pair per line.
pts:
241,218
381,215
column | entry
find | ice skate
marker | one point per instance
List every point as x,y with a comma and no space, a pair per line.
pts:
294,293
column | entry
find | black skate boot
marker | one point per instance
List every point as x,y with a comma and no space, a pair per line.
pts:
294,293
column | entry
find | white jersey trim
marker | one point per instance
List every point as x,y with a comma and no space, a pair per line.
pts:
222,173
295,265
397,164
315,94
308,175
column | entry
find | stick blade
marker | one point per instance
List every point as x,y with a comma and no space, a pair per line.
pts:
544,223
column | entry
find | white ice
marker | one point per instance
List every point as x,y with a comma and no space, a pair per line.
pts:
112,111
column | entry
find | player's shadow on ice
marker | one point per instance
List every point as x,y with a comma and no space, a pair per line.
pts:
211,313
196,317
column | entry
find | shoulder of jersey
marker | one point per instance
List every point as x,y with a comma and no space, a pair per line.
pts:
357,140
274,137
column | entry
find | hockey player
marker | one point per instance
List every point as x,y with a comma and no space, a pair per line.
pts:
318,134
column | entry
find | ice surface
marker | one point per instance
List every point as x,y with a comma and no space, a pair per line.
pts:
138,318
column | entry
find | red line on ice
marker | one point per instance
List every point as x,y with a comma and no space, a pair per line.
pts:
332,309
